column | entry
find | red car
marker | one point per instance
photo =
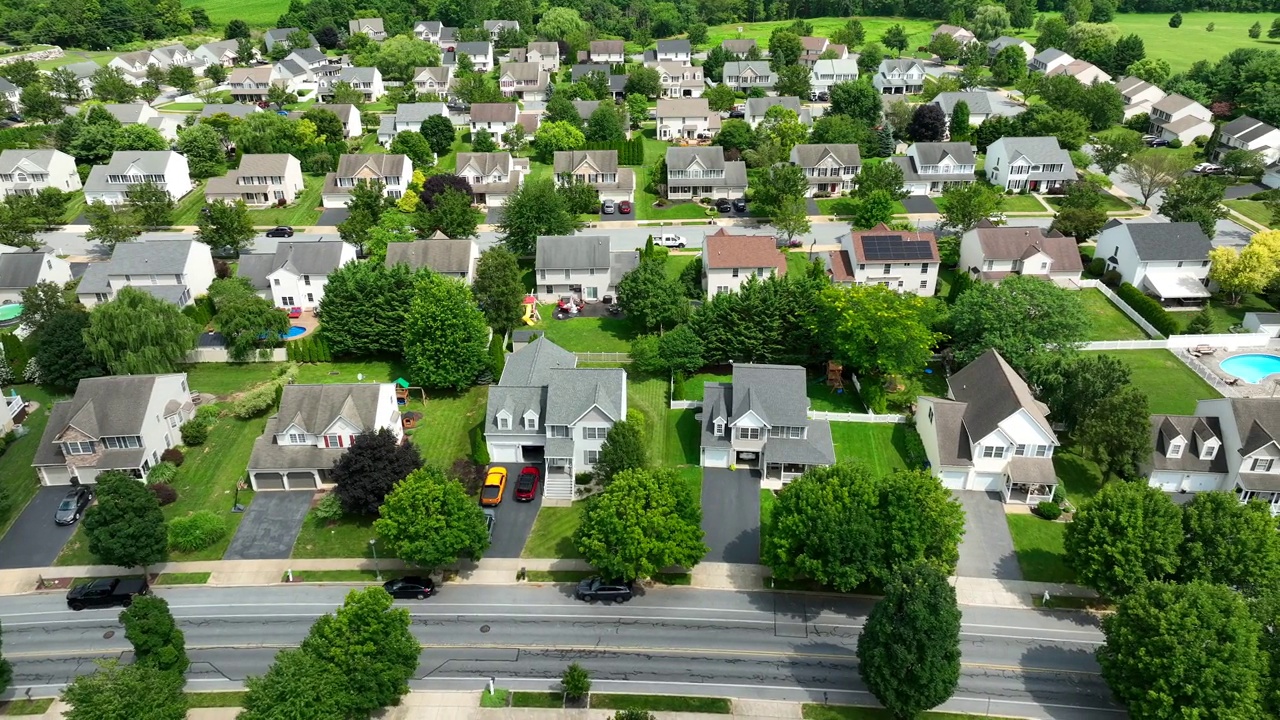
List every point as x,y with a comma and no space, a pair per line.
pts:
624,207
527,483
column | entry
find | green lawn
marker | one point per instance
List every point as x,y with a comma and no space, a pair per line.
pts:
678,210
1078,478
917,30
1251,209
260,15
186,107
346,538
228,699
537,699
496,699
823,398
648,395
843,206
1226,316
587,334
1171,387
552,535
1106,321
189,207
694,386
848,712
75,206
1192,42
370,145
676,265
22,706
102,57
1021,203
305,210
444,432
461,143
18,481
333,576
193,578
880,446
661,703
1038,544
224,379
1110,203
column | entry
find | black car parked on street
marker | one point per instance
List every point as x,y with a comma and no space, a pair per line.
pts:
106,592
596,588
410,587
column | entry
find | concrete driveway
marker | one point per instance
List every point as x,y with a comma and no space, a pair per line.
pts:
987,548
270,525
34,541
731,515
513,521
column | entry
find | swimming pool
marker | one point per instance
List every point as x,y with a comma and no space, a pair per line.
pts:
294,331
9,313
1251,368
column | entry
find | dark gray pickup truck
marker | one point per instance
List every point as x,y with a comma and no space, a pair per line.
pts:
106,592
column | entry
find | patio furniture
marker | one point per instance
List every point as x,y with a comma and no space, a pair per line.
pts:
295,313
1202,350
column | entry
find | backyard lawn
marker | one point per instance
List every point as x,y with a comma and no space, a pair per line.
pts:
223,379
1171,387
1251,209
677,263
1110,203
1106,321
74,208
18,481
825,399
694,386
444,432
1226,316
880,446
305,210
1038,544
1079,479
188,208
587,334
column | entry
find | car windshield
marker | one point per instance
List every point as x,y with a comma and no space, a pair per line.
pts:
490,491
67,504
525,480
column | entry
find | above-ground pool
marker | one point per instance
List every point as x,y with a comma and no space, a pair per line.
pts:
9,313
294,331
1251,368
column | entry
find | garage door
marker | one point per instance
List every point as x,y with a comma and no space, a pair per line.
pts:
715,457
55,475
990,482
1202,483
532,453
504,453
952,480
1166,481
268,481
301,481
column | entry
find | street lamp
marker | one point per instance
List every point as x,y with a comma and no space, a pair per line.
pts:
373,543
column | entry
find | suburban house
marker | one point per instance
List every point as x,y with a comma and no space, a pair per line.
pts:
581,70
294,77
261,180
133,65
547,409
27,172
408,116
931,167
84,71
433,79
234,110
493,176
1035,164
220,52
143,114
175,270
991,253
739,48
25,267
676,51
435,32
685,118
120,422
296,273
826,73
598,168
743,75
759,420
1187,454
372,27
830,169
315,60
901,260
368,80
815,47
989,434
497,118
9,91
451,258
1246,133
1169,261
1138,95
394,171
530,122
177,54
756,108
546,54
982,105
680,80
249,84
111,182
585,108
280,36
579,265
348,115
958,34
899,76
698,172
495,27
728,260
995,46
1181,118
1047,60
610,52
480,54
312,429
524,80
1086,72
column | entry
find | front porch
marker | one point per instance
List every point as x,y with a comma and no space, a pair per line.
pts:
1270,497
1029,481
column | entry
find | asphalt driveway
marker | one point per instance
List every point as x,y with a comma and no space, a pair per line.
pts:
987,548
332,216
270,525
34,541
513,521
731,515
919,204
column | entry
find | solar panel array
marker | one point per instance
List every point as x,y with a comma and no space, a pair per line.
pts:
895,247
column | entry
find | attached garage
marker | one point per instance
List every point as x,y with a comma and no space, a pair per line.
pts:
1175,481
1199,482
302,480
532,453
987,482
503,453
715,457
55,475
267,481
1166,481
952,479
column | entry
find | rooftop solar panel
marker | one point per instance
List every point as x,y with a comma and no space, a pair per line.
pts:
895,247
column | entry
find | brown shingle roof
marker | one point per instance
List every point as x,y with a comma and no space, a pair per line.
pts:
742,251
494,112
1013,243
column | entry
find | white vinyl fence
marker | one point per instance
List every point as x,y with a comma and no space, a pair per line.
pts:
220,355
855,417
603,357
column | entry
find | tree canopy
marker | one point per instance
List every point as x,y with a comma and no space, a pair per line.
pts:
248,322
126,692
1022,318
644,521
297,686
125,527
534,209
1230,543
157,641
651,298
1127,535
370,468
445,335
624,448
364,308
875,330
429,520
137,333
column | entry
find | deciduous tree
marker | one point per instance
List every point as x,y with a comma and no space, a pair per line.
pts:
1230,543
1009,66
247,321
370,469
439,134
1243,271
643,81
875,330
1196,199
225,224
1117,432
1152,171
445,335
794,81
1022,317
40,303
895,38
202,145
139,334
152,203
126,692
414,146
968,204
1073,385
157,641
498,289
125,527
534,209
784,49
429,520
109,225
1112,148
1126,536
62,356
556,136
858,100
364,309
297,686
624,448
720,98
644,521
651,298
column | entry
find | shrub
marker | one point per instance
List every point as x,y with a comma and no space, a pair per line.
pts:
576,681
256,401
163,472
173,456
208,413
1201,324
479,450
497,358
916,456
678,389
469,473
201,311
1111,278
1148,308
1201,141
329,509
874,397
1175,144
164,492
583,478
1097,267
196,531
1049,510
194,432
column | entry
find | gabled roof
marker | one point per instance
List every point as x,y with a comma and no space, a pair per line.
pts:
1174,103
835,66
734,68
1047,56
777,394
418,112
485,163
1005,41
523,71
21,269
308,55
1041,150
442,256
674,46
480,47
807,156
491,25
363,24
723,250
711,156
383,165
314,408
880,245
1019,243
1195,432
353,74
1164,241
888,65
738,46
568,252
759,106
494,112
316,257
992,391
932,153
607,47
1246,129
571,393
159,257
7,87
531,365
266,164
83,69
1257,422
11,160
237,110
578,71
682,107
604,161
1133,85
105,407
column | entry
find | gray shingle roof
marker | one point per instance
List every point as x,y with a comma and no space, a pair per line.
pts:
1042,150
265,164
605,161
313,408
734,68
954,447
12,159
738,46
160,257
485,162
316,257
569,252
778,394
494,112
1195,430
102,407
442,256
1257,422
418,112
7,87
83,69
530,365
309,55
20,270
1165,241
759,106
472,48
1003,42
992,391
674,46
1051,54
573,392
1132,85
807,156
931,153
255,268
735,172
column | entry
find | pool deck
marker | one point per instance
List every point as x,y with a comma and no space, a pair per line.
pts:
1228,384
306,320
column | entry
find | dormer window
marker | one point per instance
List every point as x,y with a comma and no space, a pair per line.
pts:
504,422
529,421
1175,449
1209,451
297,439
719,428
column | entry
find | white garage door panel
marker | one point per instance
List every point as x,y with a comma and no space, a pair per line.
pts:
55,475
1166,481
952,480
715,457
1202,483
504,454
987,481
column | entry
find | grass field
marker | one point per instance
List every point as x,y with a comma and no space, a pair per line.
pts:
1251,209
258,14
18,481
1106,321
1191,42
847,712
305,210
444,433
879,445
1038,544
552,535
1171,387
917,30
346,538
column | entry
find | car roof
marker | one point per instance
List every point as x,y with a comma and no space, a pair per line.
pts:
414,579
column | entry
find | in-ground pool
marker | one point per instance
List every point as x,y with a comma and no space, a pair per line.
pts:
1251,368
294,331
9,313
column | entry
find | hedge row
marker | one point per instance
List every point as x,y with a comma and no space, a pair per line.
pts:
311,349
1148,308
630,152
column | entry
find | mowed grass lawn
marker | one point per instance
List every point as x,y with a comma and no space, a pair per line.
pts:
1038,544
881,446
849,712
1251,209
917,30
18,480
552,535
1106,321
305,210
1171,387
1226,316
587,334
258,14
1183,46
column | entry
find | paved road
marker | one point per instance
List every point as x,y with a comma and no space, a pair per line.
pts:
674,640
34,540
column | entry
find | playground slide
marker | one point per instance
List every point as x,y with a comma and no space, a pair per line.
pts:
529,311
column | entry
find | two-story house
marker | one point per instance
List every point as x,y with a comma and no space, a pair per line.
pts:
368,80
439,254
742,75
959,34
296,274
110,183
830,169
1035,164
545,55
315,60
178,271
729,259
698,172
497,118
1138,95
27,172
813,48
348,115
280,36
1187,454
739,48
679,80
598,168
995,46
394,171
261,180
1048,60
901,260
826,73
581,70
685,118
221,52
436,33
1246,133
480,54
755,109
408,116
121,422
143,114
929,168
1169,261
1177,117
436,80
899,76
133,65
982,105
10,92
609,52
524,80
494,177
671,51
990,253
546,408
83,71
249,84
581,266
370,27
25,267
989,434
1086,72
313,428
495,27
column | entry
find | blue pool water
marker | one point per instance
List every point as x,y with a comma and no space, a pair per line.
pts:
294,331
1253,368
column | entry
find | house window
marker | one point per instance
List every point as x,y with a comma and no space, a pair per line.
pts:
735,272
311,298
924,268
887,268
78,448
173,421
531,423
722,288
542,274
1209,452
297,439
1020,450
993,451
1175,449
1044,266
566,274
287,300
924,284
275,281
306,279
795,432
990,265
748,433
559,431
593,292
504,423
333,441
594,433
591,457
719,429
1042,451
1261,465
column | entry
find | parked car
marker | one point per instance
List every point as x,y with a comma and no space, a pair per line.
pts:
490,517
410,587
607,207
740,205
792,243
527,483
106,592
280,231
495,483
670,240
724,205
596,588
1209,169
73,505
624,207
737,114
1158,142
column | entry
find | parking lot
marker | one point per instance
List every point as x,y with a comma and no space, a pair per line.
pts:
513,521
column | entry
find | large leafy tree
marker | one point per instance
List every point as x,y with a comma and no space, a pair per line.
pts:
1183,651
624,448
534,209
62,356
247,321
843,526
139,334
651,298
1009,66
126,692
1197,199
1021,318
109,225
414,146
296,686
368,642
909,649
225,224
498,289
156,639
125,527
928,124
1152,172
1117,432
370,468
1073,385
1127,535
436,185
364,308
766,321
153,204
875,330
1230,543
778,183
452,215
40,303
858,100
439,133
1112,148
606,124
445,335
1242,271
553,137
644,521
968,204
202,146
429,520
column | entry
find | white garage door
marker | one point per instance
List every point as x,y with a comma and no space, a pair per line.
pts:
991,482
505,454
1166,481
715,457
55,475
1202,483
952,480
